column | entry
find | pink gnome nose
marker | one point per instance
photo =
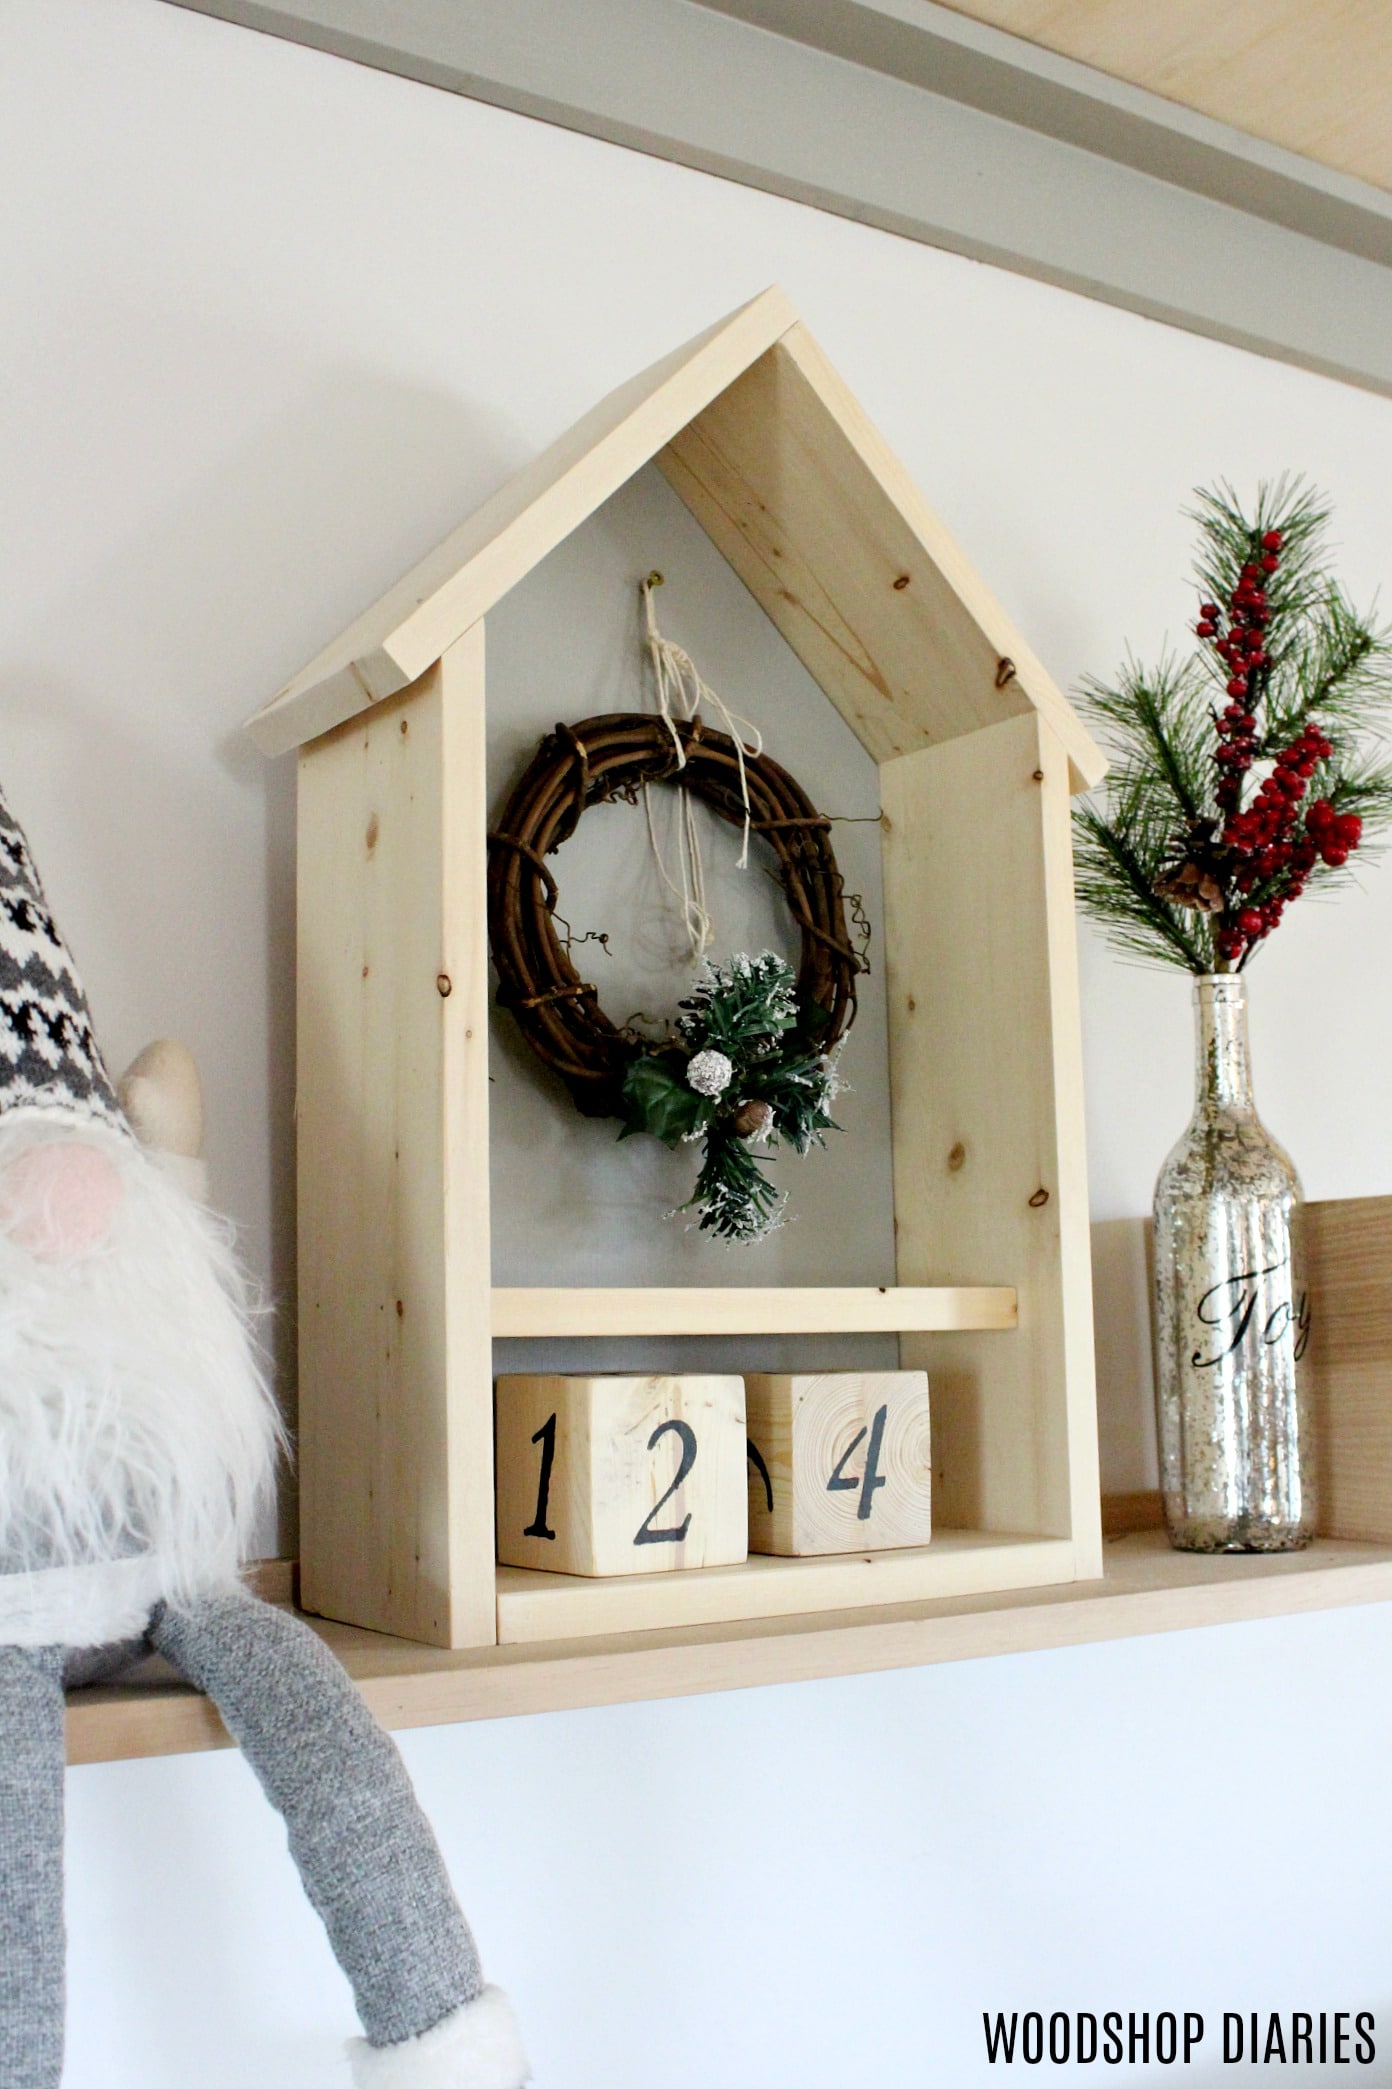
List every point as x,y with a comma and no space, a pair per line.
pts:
58,1200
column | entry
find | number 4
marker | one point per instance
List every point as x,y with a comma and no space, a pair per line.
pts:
872,1477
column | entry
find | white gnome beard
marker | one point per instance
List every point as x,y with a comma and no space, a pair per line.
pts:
135,1419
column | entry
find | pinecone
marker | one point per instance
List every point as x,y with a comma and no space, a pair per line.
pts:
752,1119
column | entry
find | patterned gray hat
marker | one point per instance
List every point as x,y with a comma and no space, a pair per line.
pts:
48,1053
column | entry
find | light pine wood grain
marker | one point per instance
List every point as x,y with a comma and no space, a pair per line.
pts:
1146,1588
957,1563
741,1309
1143,1509
1348,1262
1311,75
794,484
786,472
619,1442
273,1580
395,641
395,1440
986,1094
848,1427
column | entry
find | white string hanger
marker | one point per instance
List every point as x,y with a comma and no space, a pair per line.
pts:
681,690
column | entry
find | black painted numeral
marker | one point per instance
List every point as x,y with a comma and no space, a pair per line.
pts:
546,1437
675,1533
842,1483
755,1457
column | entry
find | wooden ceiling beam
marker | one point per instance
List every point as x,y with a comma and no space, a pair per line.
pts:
913,118
1312,76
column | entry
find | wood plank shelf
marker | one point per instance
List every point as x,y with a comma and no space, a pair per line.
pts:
909,1309
1145,1587
533,1605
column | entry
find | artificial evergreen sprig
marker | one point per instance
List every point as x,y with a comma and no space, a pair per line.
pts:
745,1073
1252,771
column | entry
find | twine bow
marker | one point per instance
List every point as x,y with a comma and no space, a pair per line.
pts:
681,690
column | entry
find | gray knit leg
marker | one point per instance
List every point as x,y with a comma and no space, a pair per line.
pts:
31,1867
366,1853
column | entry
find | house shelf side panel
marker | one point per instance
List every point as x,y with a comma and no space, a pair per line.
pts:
986,1090
395,1423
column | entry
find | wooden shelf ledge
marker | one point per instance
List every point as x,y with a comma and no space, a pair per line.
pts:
746,1309
1146,1588
536,1605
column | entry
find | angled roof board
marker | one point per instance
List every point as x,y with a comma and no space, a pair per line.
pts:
782,468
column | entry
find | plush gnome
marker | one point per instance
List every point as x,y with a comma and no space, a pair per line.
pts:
137,1442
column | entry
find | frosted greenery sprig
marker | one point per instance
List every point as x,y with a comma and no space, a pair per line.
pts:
741,1076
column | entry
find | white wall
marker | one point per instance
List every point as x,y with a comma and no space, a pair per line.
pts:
271,324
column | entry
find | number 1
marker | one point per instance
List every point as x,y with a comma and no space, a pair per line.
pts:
546,1437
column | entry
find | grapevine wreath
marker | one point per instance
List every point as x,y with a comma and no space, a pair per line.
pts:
752,1056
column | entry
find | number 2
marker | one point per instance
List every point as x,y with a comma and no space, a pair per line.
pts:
675,1533
872,1477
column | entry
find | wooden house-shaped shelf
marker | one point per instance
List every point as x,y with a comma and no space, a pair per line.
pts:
978,754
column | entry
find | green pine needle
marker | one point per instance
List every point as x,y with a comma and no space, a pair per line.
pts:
1328,664
748,1012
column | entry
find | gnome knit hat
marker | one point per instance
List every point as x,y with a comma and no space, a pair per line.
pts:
49,1058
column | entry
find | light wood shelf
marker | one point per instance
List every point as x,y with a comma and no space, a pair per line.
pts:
1145,1588
746,1309
534,1605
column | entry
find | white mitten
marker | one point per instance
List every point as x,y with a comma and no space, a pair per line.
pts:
476,2047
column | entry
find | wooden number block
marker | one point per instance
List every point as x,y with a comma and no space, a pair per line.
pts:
838,1461
618,1475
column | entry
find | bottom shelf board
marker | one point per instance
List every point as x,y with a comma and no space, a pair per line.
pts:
537,1606
1145,1588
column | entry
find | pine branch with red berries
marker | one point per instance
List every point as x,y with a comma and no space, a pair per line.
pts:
1256,769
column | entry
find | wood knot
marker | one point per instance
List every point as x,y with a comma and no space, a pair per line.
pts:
1005,672
1038,775
957,1159
902,582
444,985
1039,1199
373,830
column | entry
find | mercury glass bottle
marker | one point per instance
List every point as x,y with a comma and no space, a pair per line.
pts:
1236,1460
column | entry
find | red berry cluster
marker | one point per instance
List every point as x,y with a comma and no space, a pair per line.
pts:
1334,834
1242,649
1267,843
